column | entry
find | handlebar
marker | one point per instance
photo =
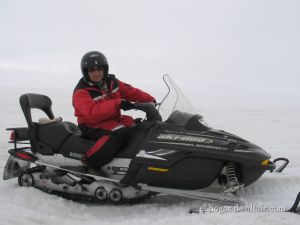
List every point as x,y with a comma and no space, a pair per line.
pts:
150,109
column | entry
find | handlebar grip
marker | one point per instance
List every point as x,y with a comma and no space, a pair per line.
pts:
151,111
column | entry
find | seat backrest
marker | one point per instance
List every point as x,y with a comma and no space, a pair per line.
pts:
35,101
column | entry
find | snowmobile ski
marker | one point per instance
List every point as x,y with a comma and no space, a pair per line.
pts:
295,208
282,167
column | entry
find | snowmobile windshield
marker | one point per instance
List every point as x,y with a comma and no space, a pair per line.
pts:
175,101
175,108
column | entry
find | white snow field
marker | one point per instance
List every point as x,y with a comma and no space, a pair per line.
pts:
236,60
274,125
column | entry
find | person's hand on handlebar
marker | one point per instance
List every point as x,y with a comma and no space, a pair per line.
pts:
126,105
151,111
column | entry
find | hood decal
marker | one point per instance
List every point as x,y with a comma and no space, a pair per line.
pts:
184,138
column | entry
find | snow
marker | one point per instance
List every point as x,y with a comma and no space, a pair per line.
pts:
275,130
237,61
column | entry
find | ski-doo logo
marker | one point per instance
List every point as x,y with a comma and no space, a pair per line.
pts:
185,138
76,155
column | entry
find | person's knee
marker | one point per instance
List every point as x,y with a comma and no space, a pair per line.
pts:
107,152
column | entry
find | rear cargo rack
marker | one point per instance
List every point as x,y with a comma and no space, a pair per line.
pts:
20,136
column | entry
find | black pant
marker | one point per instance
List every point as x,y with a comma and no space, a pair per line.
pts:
108,144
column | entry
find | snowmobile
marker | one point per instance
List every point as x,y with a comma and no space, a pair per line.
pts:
174,152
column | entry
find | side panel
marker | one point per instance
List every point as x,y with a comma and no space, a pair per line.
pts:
188,173
192,160
176,165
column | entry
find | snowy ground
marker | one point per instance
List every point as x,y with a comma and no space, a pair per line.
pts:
274,127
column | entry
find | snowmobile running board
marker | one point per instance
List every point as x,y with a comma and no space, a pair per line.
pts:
76,171
194,194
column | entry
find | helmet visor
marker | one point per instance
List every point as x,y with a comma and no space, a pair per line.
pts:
93,69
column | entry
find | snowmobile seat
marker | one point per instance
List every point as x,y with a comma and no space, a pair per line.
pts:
53,137
63,137
54,134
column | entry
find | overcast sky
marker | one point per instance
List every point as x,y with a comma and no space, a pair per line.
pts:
246,44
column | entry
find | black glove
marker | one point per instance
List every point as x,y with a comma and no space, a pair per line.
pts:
125,105
149,108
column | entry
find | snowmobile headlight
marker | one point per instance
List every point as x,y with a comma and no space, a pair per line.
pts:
265,162
156,169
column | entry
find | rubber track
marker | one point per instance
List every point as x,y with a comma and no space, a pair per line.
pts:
93,200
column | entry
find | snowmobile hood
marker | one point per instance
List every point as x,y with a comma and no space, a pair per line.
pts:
197,132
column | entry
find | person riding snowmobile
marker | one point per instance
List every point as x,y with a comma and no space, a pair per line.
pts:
98,99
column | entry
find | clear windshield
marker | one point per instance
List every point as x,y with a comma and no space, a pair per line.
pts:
175,100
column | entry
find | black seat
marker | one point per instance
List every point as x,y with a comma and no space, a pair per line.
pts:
63,138
53,135
52,138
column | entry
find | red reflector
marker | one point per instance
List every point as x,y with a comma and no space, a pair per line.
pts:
23,156
12,136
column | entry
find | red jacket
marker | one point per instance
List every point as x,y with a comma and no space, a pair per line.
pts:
100,107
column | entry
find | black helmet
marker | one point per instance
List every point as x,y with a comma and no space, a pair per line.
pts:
91,60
